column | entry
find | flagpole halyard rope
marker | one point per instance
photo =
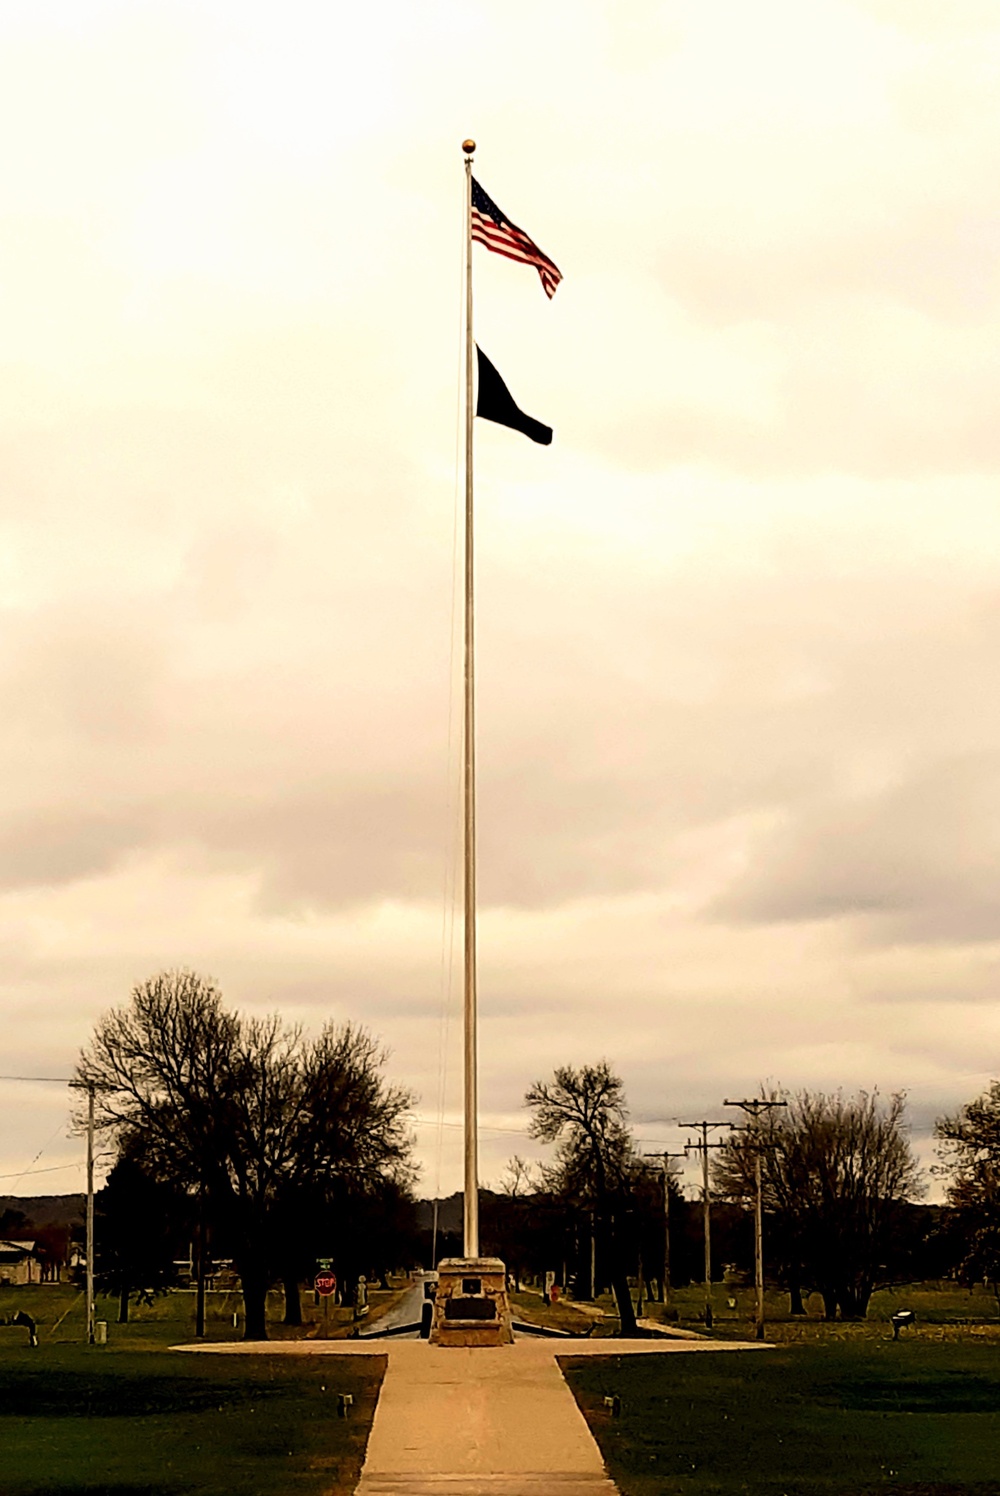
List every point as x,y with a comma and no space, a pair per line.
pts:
452,789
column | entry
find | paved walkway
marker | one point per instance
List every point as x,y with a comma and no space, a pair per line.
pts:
476,1422
497,1422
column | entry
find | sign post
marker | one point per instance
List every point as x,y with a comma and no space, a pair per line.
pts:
325,1284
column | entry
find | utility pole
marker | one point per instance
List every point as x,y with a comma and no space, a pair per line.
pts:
753,1108
665,1176
702,1146
65,1080
90,1213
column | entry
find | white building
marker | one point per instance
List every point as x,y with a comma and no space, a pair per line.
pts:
18,1263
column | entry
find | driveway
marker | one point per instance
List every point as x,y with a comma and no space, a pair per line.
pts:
406,1311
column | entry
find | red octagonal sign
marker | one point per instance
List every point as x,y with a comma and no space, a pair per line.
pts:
325,1283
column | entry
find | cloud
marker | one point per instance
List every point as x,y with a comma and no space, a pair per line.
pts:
738,730
934,19
920,858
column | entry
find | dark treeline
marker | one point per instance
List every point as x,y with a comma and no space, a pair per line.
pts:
50,1223
243,1140
841,1192
539,1234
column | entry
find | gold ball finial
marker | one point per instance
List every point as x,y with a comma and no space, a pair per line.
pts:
468,146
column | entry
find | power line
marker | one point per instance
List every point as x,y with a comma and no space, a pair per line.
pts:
62,1080
30,1169
90,1089
49,1169
517,1132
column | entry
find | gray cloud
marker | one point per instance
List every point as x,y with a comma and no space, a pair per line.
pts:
52,849
619,718
739,727
922,856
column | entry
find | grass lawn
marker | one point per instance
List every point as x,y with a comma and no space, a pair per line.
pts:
838,1417
134,1417
957,1312
562,1315
60,1311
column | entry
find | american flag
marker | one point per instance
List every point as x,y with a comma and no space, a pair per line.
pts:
492,228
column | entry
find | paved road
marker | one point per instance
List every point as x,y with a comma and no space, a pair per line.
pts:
405,1312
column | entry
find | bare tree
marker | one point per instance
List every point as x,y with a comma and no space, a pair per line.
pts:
583,1112
511,1217
518,1178
836,1172
244,1113
971,1154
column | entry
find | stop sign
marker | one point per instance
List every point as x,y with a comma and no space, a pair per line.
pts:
325,1283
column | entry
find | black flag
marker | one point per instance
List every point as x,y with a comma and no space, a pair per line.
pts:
496,403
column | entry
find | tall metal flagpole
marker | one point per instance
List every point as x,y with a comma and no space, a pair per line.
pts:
471,1194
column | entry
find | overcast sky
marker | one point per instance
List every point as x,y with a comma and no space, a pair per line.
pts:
739,625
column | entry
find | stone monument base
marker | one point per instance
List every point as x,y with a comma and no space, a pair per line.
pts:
471,1305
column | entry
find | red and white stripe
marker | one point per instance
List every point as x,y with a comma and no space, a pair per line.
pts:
507,239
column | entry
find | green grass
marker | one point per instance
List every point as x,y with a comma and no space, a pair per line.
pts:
562,1315
835,1418
135,1417
60,1312
956,1310
835,1410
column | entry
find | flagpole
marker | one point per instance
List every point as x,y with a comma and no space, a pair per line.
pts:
471,1191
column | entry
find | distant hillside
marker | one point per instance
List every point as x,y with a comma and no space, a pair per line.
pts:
451,1211
47,1210
450,1214
68,1210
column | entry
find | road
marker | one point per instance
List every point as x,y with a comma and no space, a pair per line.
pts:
405,1312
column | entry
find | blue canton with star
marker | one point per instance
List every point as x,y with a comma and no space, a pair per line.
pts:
484,204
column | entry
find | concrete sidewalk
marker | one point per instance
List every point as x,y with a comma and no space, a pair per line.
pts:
498,1422
479,1423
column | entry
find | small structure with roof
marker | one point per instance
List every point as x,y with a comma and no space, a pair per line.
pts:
19,1264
